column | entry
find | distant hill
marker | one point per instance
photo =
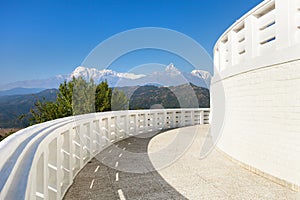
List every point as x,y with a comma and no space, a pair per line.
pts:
182,96
11,107
19,91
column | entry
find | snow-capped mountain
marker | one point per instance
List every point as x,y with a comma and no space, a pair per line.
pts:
95,74
201,74
171,76
171,69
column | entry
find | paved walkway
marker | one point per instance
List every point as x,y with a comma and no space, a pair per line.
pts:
214,177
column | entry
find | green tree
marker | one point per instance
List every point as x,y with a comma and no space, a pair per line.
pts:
76,97
63,104
83,97
119,101
103,97
44,111
62,107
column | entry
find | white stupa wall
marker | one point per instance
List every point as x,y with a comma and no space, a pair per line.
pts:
257,62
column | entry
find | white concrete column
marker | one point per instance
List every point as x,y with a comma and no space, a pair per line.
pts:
155,121
79,132
217,59
294,17
71,155
192,118
283,23
232,48
201,117
46,171
59,172
127,125
137,128
251,37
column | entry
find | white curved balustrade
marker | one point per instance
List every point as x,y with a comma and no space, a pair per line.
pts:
40,162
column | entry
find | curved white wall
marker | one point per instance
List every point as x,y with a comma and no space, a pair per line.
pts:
40,162
258,62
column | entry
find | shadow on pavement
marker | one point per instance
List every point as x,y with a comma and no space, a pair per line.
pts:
120,181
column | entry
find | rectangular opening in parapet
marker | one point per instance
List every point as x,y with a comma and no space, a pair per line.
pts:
264,10
242,52
267,25
268,40
241,40
225,39
239,27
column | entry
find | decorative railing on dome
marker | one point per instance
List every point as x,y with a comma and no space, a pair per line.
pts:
41,161
273,25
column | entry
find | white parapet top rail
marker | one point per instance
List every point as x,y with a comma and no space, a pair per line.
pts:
268,34
41,161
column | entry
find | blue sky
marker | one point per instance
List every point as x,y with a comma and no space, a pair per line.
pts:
40,39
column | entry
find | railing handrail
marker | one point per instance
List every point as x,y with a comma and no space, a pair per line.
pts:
42,144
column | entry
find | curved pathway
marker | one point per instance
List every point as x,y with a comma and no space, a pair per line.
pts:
214,177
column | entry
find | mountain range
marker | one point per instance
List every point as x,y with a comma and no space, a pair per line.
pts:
13,106
169,88
170,76
181,96
20,91
140,97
